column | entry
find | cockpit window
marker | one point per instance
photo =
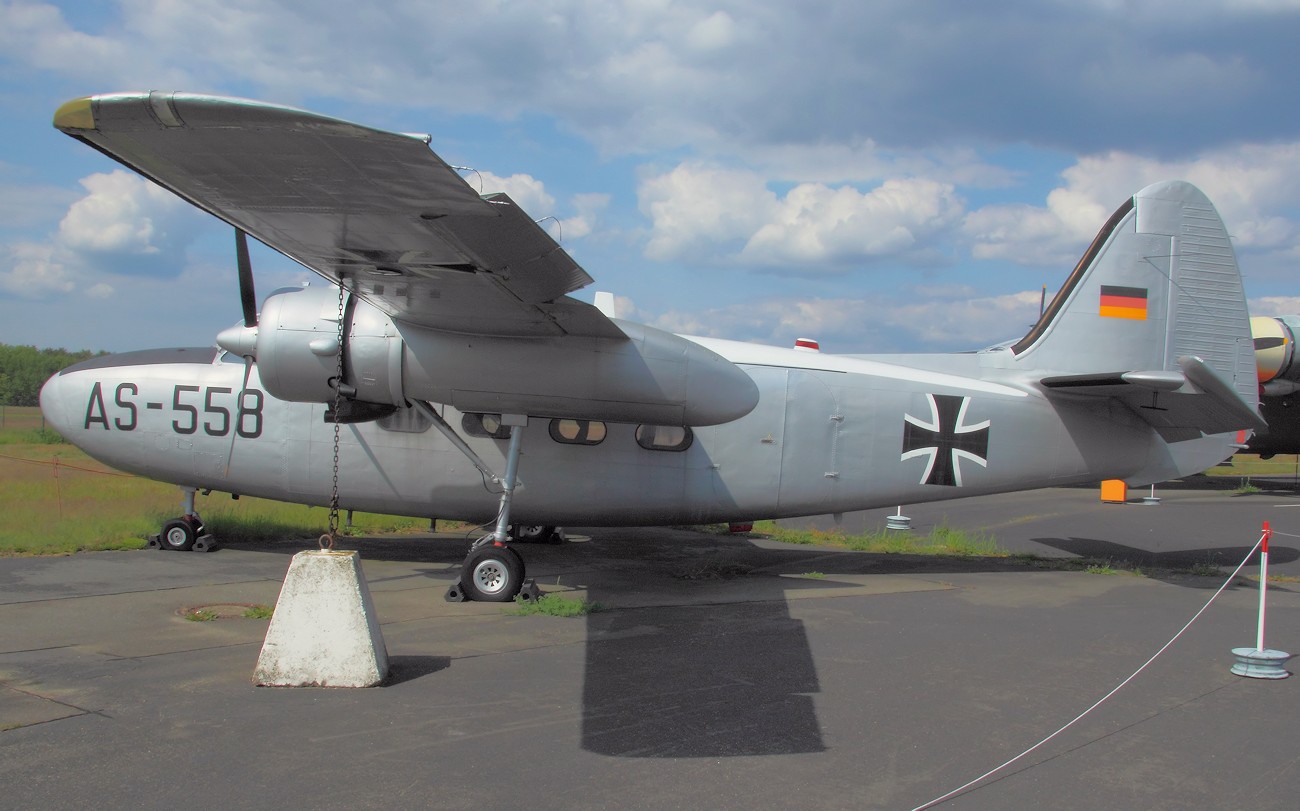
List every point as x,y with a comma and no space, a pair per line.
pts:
664,437
578,432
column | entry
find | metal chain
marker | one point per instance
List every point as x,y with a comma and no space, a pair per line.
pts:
327,541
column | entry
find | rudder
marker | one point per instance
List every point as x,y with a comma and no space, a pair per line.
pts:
1159,283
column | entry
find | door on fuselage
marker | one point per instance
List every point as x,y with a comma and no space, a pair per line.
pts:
810,463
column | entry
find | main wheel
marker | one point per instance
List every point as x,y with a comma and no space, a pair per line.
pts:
492,574
529,532
179,534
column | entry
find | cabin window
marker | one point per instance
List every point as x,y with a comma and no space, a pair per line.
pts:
664,437
485,425
578,432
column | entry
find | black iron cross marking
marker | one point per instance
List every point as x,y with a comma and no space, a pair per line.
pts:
945,440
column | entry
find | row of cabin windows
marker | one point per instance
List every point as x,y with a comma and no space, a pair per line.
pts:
584,432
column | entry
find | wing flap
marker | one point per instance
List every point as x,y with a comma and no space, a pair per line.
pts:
376,208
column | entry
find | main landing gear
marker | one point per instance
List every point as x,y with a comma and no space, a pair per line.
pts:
493,572
185,533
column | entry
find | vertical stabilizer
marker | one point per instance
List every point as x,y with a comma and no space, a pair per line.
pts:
1157,286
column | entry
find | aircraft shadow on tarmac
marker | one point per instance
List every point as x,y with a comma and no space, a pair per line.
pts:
704,670
1181,559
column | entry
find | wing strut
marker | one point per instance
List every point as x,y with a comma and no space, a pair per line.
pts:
449,432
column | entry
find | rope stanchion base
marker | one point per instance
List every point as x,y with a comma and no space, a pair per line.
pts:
1260,664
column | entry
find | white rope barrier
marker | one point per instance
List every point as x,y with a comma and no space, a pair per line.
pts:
1262,538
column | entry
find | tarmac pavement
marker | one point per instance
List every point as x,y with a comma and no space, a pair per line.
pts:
724,673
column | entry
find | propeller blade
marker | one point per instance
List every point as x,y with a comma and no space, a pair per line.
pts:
230,455
247,297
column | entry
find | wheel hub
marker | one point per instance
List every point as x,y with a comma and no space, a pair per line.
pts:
490,576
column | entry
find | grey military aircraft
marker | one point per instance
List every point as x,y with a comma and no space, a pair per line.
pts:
462,381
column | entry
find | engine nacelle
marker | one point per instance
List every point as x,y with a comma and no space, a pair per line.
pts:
644,375
1275,355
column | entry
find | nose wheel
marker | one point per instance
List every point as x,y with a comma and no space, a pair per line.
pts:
185,533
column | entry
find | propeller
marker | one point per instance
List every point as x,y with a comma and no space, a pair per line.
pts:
242,341
246,295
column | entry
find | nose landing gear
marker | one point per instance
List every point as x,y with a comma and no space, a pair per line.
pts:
185,533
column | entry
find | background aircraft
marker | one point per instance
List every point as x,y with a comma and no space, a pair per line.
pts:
449,373
1279,380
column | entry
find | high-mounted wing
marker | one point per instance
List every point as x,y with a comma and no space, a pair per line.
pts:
377,209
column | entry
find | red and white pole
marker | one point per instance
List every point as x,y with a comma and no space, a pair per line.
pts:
1260,662
1263,584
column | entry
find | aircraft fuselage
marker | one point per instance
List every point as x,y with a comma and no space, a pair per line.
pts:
829,434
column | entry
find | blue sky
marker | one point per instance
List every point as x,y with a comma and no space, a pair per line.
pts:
892,176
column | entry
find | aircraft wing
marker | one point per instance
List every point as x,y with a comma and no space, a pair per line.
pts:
1180,405
377,209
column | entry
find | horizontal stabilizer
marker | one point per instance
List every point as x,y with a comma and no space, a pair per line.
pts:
1180,405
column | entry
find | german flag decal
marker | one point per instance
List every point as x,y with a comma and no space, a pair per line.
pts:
1123,302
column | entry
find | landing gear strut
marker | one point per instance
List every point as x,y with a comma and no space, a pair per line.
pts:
185,533
492,571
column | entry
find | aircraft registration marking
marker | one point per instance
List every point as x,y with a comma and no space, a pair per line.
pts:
222,409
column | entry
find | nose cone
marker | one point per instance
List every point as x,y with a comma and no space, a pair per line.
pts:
239,340
54,404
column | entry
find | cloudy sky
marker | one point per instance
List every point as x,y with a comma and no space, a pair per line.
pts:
882,176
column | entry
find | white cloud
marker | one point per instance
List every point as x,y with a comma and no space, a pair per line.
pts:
704,213
34,271
816,224
1252,186
527,191
723,76
588,208
123,213
696,208
1275,305
122,225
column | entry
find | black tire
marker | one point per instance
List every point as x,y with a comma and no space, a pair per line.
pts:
530,533
492,574
178,534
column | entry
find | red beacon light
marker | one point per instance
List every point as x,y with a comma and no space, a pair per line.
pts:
807,345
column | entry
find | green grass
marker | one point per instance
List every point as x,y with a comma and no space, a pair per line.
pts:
1245,488
554,605
56,500
1100,568
942,540
1250,465
200,615
259,612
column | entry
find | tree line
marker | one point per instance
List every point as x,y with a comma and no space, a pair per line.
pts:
24,369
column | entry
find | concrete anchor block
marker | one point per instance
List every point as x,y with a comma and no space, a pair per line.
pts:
1260,664
324,632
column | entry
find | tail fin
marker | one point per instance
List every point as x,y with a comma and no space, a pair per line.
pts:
1156,303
